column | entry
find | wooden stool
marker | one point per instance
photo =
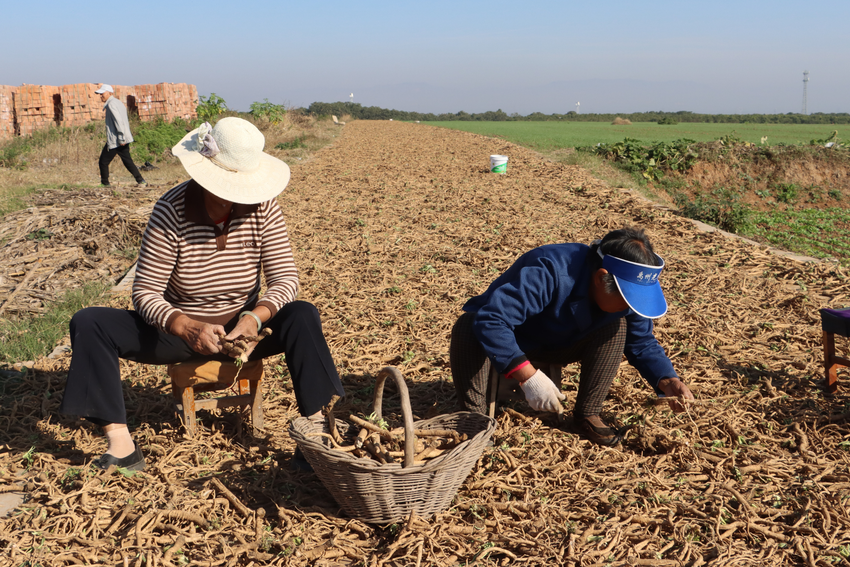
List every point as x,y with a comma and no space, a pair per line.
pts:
189,378
551,370
833,322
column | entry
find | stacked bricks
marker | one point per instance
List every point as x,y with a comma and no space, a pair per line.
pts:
7,112
168,100
36,108
150,101
79,104
127,95
181,100
28,108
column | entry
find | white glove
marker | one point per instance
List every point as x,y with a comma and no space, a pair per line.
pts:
542,394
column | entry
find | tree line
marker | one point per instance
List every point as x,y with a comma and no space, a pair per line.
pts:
357,111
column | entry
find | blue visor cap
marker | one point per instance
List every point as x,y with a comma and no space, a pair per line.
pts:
639,285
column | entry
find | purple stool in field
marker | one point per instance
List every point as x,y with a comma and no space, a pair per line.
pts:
834,322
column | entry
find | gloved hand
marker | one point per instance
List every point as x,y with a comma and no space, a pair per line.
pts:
542,394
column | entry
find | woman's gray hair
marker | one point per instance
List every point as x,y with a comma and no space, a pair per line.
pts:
629,243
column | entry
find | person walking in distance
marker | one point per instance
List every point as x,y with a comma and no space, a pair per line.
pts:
118,137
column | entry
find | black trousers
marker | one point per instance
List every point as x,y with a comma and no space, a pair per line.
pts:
106,157
600,354
102,335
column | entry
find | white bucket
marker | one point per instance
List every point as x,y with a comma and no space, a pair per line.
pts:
498,164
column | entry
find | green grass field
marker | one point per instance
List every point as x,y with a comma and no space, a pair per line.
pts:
549,136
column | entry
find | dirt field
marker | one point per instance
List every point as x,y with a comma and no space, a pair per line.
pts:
394,226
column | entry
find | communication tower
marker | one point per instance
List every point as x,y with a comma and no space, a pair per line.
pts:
351,97
578,105
805,85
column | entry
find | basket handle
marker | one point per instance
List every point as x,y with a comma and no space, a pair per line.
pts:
406,411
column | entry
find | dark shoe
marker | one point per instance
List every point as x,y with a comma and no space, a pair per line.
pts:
105,185
142,183
135,461
596,430
148,166
299,462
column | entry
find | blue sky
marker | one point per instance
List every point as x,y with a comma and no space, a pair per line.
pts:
616,56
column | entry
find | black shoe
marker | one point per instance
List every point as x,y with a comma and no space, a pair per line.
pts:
299,462
135,461
148,166
593,428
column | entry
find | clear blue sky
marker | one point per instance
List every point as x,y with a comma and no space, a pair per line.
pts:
746,56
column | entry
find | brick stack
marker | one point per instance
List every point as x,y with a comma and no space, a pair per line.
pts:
181,101
79,104
123,93
28,108
168,100
150,101
35,108
7,112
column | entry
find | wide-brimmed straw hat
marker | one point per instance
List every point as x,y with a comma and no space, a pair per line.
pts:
229,162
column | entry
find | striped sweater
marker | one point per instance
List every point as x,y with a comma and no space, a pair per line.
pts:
188,265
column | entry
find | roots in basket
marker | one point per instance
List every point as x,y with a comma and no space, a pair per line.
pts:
385,446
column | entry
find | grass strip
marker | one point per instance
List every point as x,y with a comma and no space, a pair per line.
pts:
32,337
820,233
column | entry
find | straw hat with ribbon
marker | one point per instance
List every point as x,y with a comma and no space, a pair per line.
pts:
229,162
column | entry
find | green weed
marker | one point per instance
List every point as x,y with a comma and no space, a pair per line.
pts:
210,108
268,111
649,161
152,139
34,336
720,208
786,192
820,233
292,145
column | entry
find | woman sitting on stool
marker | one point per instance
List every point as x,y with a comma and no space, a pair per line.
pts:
197,278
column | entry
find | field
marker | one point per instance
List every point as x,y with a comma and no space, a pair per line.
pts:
394,227
784,191
548,136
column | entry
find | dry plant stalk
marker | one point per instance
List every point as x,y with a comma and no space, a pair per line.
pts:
368,442
236,347
668,483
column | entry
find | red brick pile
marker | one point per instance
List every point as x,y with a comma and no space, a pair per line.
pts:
7,112
36,107
28,108
79,104
169,100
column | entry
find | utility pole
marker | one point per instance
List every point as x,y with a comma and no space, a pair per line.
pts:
805,87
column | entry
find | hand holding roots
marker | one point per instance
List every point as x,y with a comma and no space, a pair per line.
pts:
238,346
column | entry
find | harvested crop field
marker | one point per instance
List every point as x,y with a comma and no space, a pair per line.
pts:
394,227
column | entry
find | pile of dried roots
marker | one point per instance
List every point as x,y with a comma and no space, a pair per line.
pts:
393,228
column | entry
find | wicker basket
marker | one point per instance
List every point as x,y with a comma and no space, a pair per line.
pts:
386,493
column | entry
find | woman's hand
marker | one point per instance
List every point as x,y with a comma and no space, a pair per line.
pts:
247,327
201,337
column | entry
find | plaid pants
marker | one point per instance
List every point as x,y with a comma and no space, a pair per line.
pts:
600,354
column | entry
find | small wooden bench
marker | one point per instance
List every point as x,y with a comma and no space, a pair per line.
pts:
833,322
191,378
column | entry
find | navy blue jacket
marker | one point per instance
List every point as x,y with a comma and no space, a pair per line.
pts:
543,301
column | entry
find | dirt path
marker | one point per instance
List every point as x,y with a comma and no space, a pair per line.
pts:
394,227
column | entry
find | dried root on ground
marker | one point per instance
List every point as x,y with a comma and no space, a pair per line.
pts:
393,228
